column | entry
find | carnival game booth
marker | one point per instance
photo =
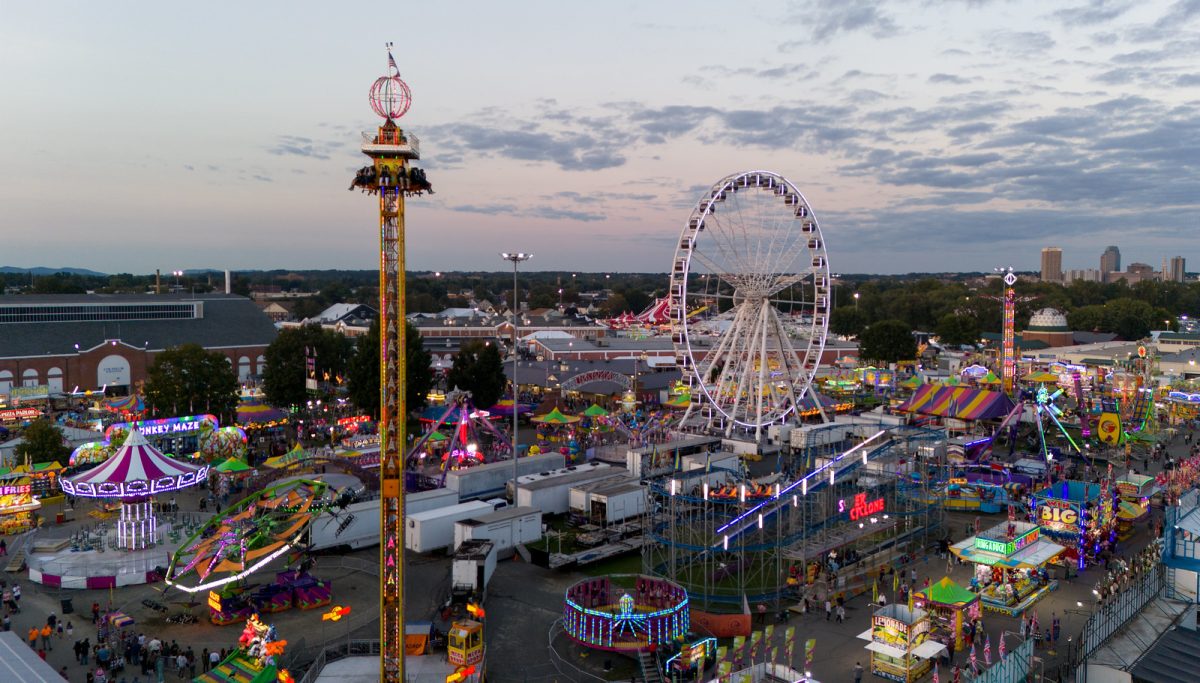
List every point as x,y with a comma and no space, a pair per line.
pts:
1134,492
898,639
626,613
1010,566
1079,515
18,507
950,608
135,474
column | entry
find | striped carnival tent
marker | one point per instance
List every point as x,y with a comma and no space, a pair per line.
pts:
962,403
135,473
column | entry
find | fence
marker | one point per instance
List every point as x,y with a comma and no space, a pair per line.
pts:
1013,668
1113,615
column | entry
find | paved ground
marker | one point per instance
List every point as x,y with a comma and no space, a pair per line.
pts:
523,602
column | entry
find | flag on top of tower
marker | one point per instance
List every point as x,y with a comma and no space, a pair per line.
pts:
392,61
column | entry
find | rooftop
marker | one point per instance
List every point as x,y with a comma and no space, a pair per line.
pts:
216,320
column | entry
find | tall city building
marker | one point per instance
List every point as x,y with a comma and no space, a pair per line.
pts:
1175,269
1110,261
1052,265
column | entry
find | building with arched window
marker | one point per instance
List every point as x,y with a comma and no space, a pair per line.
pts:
66,342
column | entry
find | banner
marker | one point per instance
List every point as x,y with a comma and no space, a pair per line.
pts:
724,669
809,646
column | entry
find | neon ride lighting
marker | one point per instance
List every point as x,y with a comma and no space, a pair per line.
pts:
235,577
832,467
133,489
166,426
861,507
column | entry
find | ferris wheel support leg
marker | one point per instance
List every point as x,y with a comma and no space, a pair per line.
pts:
762,372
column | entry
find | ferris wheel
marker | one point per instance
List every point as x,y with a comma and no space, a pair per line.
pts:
749,302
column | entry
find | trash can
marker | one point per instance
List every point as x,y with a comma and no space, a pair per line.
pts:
60,518
67,607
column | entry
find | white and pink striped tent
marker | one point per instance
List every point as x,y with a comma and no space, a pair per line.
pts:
137,469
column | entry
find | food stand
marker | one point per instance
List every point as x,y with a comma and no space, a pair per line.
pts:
899,643
950,608
18,508
1010,566
1079,515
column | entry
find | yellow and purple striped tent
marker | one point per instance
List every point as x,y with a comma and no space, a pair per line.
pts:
962,403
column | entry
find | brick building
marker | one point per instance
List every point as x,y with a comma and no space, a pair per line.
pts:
87,341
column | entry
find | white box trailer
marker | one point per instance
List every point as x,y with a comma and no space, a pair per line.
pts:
506,529
434,529
552,494
429,500
488,480
472,568
617,503
356,526
580,501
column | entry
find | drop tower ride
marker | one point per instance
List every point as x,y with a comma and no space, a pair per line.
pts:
392,178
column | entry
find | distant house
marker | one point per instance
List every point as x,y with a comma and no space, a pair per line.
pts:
277,311
353,315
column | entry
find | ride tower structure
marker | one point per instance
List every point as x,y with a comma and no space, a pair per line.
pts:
392,177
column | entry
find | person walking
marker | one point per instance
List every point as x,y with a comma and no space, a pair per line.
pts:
841,614
33,636
46,633
858,672
828,609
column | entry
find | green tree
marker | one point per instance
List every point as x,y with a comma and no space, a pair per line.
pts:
283,378
614,306
847,321
888,341
186,380
1087,319
955,330
363,374
478,369
1130,319
42,441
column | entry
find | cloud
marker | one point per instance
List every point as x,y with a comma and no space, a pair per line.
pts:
828,18
489,209
949,78
298,145
1092,13
189,167
262,178
1181,12
1021,43
569,150
553,213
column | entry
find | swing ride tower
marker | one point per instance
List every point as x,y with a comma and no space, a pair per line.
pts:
391,178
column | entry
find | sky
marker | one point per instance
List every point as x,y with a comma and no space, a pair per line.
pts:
926,135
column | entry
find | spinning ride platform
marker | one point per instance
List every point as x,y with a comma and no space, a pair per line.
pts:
625,613
65,563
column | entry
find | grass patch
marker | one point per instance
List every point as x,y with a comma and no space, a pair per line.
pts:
625,564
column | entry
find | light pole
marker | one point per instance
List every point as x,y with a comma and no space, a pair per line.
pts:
856,301
515,257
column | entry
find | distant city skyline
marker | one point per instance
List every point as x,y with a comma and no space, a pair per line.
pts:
929,137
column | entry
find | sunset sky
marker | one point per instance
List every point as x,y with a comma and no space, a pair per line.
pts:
927,135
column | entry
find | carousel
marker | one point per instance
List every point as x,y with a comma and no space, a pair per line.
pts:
134,475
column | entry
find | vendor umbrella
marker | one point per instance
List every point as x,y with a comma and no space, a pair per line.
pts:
595,411
436,436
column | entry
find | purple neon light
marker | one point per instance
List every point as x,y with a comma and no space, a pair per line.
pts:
791,487
137,469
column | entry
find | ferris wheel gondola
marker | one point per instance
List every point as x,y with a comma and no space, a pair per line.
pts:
752,251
